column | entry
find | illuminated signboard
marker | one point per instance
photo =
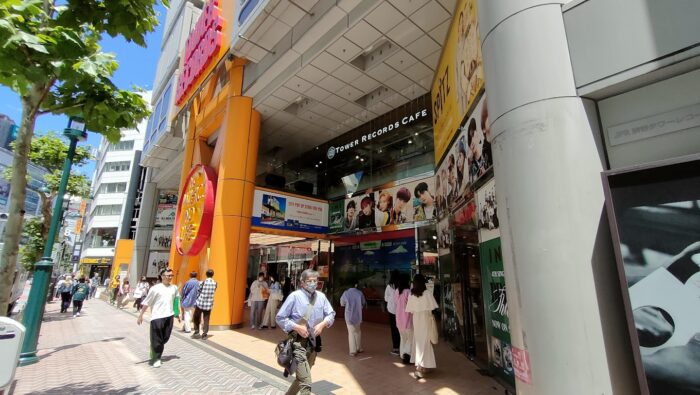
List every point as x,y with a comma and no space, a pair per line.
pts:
203,43
195,211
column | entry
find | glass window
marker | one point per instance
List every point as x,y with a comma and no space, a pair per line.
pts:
108,209
121,146
102,237
114,187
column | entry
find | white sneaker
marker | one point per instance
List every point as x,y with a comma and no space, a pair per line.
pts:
78,314
157,363
74,315
252,327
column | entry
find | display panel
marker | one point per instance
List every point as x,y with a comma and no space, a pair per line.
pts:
654,214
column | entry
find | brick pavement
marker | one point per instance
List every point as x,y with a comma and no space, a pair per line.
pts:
104,351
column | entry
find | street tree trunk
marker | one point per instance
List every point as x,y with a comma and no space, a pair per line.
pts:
47,214
18,185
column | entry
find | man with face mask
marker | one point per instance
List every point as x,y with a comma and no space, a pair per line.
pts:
304,315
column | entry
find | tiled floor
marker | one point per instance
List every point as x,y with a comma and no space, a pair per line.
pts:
104,351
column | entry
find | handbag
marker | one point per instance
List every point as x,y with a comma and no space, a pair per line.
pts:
434,335
284,350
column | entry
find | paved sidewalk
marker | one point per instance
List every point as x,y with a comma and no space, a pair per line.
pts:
104,351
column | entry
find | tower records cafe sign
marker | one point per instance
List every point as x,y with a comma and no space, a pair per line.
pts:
366,137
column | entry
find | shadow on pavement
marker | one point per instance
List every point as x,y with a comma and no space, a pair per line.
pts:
69,346
88,388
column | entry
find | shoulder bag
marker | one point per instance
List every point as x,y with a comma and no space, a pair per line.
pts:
284,350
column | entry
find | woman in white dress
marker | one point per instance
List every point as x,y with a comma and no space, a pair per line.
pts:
421,303
272,303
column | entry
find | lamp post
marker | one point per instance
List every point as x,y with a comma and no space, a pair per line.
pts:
42,270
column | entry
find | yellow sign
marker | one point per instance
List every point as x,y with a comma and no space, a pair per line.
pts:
459,76
195,212
102,260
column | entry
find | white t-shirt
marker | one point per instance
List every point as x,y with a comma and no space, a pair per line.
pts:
389,299
160,299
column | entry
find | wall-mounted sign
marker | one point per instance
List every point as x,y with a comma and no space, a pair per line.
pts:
288,212
157,261
459,76
97,260
201,47
372,134
388,207
195,211
161,239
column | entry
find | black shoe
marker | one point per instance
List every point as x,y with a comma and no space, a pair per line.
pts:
196,335
406,359
205,336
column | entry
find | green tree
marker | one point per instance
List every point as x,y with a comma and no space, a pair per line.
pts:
49,151
50,56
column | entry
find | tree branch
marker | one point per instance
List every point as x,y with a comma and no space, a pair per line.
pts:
60,108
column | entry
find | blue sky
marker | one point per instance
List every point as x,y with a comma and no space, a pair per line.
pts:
137,66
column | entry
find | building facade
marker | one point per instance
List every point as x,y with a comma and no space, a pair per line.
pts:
511,153
109,215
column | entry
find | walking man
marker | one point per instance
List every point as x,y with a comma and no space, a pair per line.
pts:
189,297
205,301
115,286
304,315
79,293
94,283
354,301
160,299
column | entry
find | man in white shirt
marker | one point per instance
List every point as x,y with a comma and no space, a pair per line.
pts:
160,299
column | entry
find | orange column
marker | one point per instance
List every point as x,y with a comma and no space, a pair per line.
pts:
176,261
233,210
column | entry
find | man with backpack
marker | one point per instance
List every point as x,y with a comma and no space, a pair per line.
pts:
79,292
304,315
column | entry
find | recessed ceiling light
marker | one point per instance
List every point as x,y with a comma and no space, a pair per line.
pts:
357,156
410,141
415,134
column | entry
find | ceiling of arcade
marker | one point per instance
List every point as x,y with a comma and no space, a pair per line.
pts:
359,61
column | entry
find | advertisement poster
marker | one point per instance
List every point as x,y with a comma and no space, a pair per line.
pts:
166,209
657,213
389,207
161,239
496,314
157,261
289,212
336,217
459,76
488,212
444,237
466,161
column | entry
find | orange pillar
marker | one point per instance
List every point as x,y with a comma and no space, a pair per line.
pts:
233,210
177,261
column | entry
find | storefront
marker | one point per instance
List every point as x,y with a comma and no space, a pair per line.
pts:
97,265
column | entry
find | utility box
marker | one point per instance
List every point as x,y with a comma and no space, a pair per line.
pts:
11,338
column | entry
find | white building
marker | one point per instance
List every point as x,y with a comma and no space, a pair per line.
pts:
114,187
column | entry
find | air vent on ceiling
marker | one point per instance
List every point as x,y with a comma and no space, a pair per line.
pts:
378,54
374,97
299,105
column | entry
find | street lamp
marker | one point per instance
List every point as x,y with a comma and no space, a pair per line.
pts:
42,270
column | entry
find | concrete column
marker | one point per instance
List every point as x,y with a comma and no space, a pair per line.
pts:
565,305
142,240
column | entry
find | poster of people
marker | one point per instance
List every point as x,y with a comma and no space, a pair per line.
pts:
444,237
289,212
488,211
466,161
157,261
388,207
657,213
161,239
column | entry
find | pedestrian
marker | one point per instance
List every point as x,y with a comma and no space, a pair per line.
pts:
273,301
422,303
65,287
404,320
257,301
391,308
114,286
354,301
140,292
204,304
123,295
161,298
189,298
94,283
304,316
79,293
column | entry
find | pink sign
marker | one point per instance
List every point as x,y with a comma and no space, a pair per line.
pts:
521,365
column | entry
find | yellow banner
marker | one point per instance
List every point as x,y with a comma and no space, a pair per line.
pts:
459,76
